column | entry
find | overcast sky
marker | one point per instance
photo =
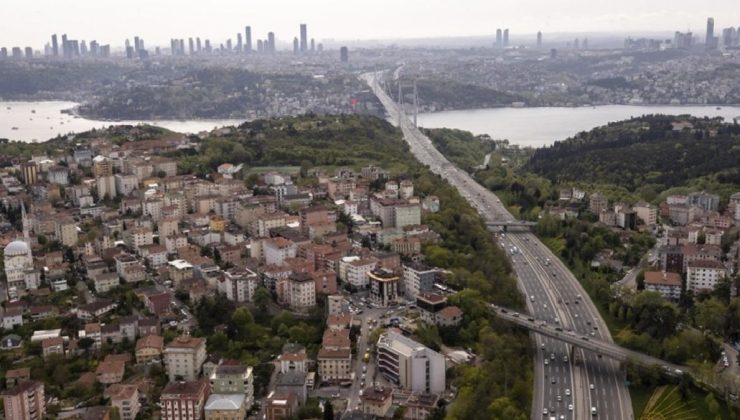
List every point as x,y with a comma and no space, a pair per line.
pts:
30,22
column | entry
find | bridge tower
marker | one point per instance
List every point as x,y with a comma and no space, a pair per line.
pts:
402,102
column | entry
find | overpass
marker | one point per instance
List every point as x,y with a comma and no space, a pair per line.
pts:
507,224
586,342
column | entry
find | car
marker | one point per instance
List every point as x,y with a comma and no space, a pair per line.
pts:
553,380
362,391
547,362
364,369
576,315
552,356
593,411
544,411
543,346
591,387
593,334
531,298
559,398
567,392
565,359
570,407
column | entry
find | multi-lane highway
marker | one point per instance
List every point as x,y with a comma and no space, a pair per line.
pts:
594,386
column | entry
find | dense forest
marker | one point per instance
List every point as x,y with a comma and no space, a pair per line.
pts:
654,152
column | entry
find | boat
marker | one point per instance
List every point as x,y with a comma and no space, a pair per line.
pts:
33,111
14,128
719,107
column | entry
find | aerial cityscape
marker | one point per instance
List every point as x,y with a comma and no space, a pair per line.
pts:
301,211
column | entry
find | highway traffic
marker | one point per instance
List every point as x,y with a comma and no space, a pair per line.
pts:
594,388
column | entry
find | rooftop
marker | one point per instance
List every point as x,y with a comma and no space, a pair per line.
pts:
662,278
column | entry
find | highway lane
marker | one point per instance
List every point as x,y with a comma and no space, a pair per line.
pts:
607,380
609,396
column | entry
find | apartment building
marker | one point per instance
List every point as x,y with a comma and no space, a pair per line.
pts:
184,357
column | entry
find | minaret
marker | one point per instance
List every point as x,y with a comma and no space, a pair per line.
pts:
26,236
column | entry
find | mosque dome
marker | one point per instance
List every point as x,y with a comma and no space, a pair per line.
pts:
16,248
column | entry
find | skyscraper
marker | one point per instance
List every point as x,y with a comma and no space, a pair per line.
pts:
296,47
271,42
197,44
304,38
539,40
709,41
248,39
239,43
191,46
344,55
498,38
137,46
313,45
506,37
55,45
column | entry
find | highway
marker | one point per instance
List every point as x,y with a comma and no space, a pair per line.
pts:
551,290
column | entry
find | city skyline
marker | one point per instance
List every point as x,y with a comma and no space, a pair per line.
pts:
31,23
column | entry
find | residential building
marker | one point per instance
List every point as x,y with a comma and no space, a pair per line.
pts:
148,348
418,278
52,346
126,399
110,372
357,272
231,377
66,231
278,249
25,401
325,282
15,376
666,283
646,212
597,203
104,282
376,401
184,400
184,357
280,406
239,284
301,291
410,365
703,275
226,407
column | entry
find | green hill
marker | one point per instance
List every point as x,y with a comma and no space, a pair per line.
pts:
655,151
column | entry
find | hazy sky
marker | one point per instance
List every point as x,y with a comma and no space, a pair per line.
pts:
29,22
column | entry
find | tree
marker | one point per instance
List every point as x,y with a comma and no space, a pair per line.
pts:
399,413
328,411
86,343
710,315
262,298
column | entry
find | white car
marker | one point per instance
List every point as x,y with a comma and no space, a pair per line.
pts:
570,407
567,392
591,387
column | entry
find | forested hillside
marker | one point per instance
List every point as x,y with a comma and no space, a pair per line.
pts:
654,151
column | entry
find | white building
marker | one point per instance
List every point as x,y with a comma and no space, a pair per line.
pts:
409,364
666,283
357,272
239,284
184,357
278,249
704,275
18,261
301,293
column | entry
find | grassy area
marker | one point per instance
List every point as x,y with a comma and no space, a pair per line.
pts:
664,402
640,395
